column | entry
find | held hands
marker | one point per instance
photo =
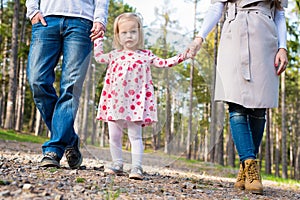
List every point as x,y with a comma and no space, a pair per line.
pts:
98,31
281,61
193,48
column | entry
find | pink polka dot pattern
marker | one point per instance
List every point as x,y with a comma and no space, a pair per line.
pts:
128,91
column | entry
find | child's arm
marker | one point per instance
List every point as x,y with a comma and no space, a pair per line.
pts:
169,62
100,57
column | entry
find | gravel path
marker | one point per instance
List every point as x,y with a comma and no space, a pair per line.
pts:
165,178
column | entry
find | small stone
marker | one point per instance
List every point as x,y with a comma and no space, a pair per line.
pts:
27,186
58,197
5,193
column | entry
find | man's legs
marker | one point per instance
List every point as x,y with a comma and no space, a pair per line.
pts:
73,36
45,50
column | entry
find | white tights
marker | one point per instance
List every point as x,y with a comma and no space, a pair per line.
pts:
115,129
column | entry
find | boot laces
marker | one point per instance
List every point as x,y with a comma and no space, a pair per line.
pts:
253,172
241,175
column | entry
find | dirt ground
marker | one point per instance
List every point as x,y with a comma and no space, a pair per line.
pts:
165,178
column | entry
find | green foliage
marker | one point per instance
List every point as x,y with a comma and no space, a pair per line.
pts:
52,169
110,193
280,180
80,180
20,137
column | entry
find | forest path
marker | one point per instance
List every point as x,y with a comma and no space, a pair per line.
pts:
165,178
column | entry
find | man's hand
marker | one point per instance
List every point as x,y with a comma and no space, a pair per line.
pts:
38,17
98,31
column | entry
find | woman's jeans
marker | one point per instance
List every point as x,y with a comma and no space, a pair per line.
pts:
67,37
247,128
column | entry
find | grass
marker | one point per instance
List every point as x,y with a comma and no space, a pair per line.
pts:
20,137
280,180
80,180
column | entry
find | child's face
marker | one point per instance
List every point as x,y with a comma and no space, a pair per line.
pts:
129,35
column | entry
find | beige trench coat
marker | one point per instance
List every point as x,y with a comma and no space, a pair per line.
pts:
245,73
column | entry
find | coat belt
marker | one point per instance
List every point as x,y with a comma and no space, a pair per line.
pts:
243,13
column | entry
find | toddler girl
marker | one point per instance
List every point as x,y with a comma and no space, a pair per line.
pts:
127,99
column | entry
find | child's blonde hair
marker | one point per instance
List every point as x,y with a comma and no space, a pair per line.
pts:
125,17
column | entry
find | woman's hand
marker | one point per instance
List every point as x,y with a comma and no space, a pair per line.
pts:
193,48
281,60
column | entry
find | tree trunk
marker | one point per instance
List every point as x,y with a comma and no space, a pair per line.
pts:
32,117
94,120
86,100
3,85
297,137
213,123
190,122
277,153
272,139
104,132
165,14
2,95
196,141
283,132
38,123
12,83
297,161
219,144
268,145
206,136
230,149
22,79
168,113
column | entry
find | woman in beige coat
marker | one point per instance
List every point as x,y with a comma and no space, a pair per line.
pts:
252,55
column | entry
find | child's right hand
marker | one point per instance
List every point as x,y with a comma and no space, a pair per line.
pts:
193,48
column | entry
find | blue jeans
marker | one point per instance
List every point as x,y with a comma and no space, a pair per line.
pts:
247,128
67,37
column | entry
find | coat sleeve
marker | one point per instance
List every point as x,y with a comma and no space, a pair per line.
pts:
211,18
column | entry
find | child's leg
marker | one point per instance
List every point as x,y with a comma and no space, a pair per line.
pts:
137,148
115,141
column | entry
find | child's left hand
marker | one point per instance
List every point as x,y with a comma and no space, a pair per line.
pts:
97,30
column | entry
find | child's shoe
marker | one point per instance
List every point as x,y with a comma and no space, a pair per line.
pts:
115,169
136,173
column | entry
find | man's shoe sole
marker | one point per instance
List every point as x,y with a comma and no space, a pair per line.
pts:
49,163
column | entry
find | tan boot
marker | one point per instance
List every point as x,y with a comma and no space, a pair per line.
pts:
253,180
240,180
